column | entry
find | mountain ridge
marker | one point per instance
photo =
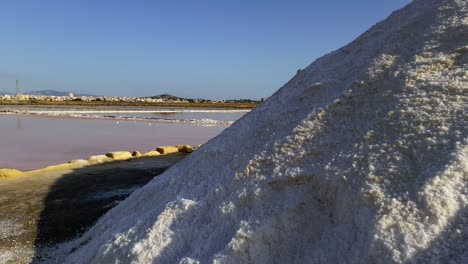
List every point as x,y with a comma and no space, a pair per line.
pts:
48,93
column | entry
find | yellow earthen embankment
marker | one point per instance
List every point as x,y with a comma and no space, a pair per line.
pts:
100,159
10,173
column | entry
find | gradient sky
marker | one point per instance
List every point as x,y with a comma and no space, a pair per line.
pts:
210,49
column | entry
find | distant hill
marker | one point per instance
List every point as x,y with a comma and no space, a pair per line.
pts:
55,93
48,93
173,97
166,97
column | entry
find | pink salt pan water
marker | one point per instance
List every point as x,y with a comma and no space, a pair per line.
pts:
28,143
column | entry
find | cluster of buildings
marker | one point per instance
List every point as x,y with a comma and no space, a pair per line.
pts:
154,99
72,97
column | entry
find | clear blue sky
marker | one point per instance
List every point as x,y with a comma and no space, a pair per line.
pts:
210,49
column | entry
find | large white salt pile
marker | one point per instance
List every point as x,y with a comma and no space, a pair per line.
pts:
360,158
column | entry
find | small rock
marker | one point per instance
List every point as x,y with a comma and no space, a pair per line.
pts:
119,155
167,149
99,159
185,148
136,153
151,154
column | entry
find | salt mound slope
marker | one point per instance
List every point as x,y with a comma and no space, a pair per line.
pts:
360,158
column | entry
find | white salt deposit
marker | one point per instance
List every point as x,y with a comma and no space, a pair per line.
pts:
360,158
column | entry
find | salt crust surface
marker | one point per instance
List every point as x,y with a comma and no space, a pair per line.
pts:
361,158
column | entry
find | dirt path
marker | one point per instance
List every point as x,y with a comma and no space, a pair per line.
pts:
50,207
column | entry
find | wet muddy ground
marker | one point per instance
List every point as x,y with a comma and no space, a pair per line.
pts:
55,206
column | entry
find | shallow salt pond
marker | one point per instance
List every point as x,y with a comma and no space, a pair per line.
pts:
175,114
32,142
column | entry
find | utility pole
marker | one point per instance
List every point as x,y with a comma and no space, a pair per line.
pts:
17,88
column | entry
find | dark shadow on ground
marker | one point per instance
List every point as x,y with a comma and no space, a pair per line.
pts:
77,200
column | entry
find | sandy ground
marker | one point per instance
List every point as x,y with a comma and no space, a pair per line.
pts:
46,207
